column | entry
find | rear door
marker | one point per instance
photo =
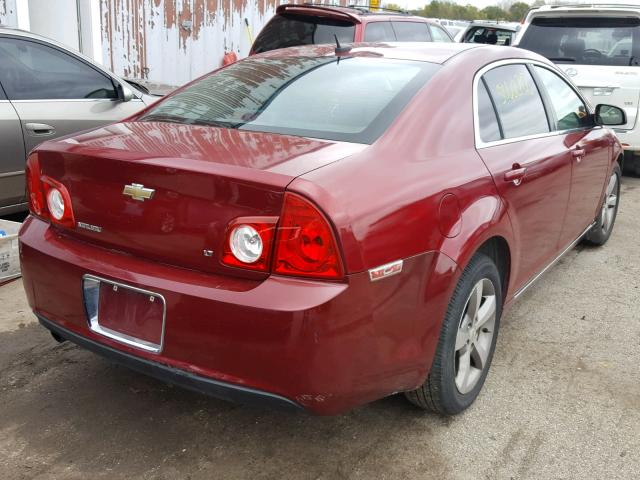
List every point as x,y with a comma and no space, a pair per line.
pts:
527,161
12,155
55,93
589,151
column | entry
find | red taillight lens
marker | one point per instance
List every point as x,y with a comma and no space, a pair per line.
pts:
305,245
248,243
35,189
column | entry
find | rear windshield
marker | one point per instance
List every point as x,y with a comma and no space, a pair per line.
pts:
585,41
487,35
292,30
347,99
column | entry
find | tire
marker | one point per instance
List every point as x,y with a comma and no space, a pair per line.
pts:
601,231
446,391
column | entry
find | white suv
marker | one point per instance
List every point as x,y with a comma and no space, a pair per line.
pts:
598,46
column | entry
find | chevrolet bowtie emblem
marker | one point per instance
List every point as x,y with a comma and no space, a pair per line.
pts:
138,192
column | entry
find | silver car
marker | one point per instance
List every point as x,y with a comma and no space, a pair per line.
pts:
46,91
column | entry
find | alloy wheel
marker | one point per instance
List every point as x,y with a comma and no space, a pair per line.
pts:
610,204
475,335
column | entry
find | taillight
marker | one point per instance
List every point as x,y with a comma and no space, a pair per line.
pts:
304,242
35,190
248,243
58,202
48,198
305,245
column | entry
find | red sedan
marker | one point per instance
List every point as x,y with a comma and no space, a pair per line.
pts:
318,228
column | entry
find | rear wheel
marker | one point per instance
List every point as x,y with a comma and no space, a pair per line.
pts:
467,341
603,227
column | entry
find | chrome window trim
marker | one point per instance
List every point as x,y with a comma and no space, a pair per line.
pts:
93,321
11,174
520,61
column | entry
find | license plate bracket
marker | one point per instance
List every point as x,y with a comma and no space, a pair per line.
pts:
129,315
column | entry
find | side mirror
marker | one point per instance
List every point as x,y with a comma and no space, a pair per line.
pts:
125,94
609,115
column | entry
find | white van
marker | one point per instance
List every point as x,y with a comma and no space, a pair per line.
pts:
598,46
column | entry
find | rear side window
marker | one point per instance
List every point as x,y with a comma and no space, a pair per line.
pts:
587,41
289,30
346,99
379,32
569,110
517,101
439,35
487,119
33,71
411,31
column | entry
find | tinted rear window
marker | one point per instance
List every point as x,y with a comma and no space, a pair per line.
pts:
353,99
586,41
490,36
291,30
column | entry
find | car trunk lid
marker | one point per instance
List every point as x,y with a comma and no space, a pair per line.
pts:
190,182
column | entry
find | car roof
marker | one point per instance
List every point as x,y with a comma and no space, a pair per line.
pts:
591,8
355,13
419,51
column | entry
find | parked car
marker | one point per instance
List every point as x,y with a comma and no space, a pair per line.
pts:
598,46
307,24
47,90
491,33
259,236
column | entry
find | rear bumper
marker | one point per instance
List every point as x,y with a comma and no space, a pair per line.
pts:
208,386
321,346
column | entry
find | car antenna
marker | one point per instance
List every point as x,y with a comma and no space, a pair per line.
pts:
339,48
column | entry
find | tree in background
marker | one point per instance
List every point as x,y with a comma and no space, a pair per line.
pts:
507,10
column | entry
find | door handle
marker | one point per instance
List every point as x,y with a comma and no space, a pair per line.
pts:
516,175
40,129
578,153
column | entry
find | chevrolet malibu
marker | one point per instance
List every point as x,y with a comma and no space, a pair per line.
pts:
320,227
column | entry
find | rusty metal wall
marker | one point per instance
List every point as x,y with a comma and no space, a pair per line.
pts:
174,41
8,13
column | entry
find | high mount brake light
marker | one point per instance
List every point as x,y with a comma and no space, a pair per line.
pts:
48,198
304,242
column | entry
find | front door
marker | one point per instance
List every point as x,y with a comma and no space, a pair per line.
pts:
55,93
589,151
12,156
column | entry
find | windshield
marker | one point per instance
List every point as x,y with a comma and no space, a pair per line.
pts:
344,99
293,30
586,41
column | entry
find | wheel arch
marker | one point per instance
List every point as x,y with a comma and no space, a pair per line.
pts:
486,228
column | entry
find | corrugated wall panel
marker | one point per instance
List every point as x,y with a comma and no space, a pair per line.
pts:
8,13
174,41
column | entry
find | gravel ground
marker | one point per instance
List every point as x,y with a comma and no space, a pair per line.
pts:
562,400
